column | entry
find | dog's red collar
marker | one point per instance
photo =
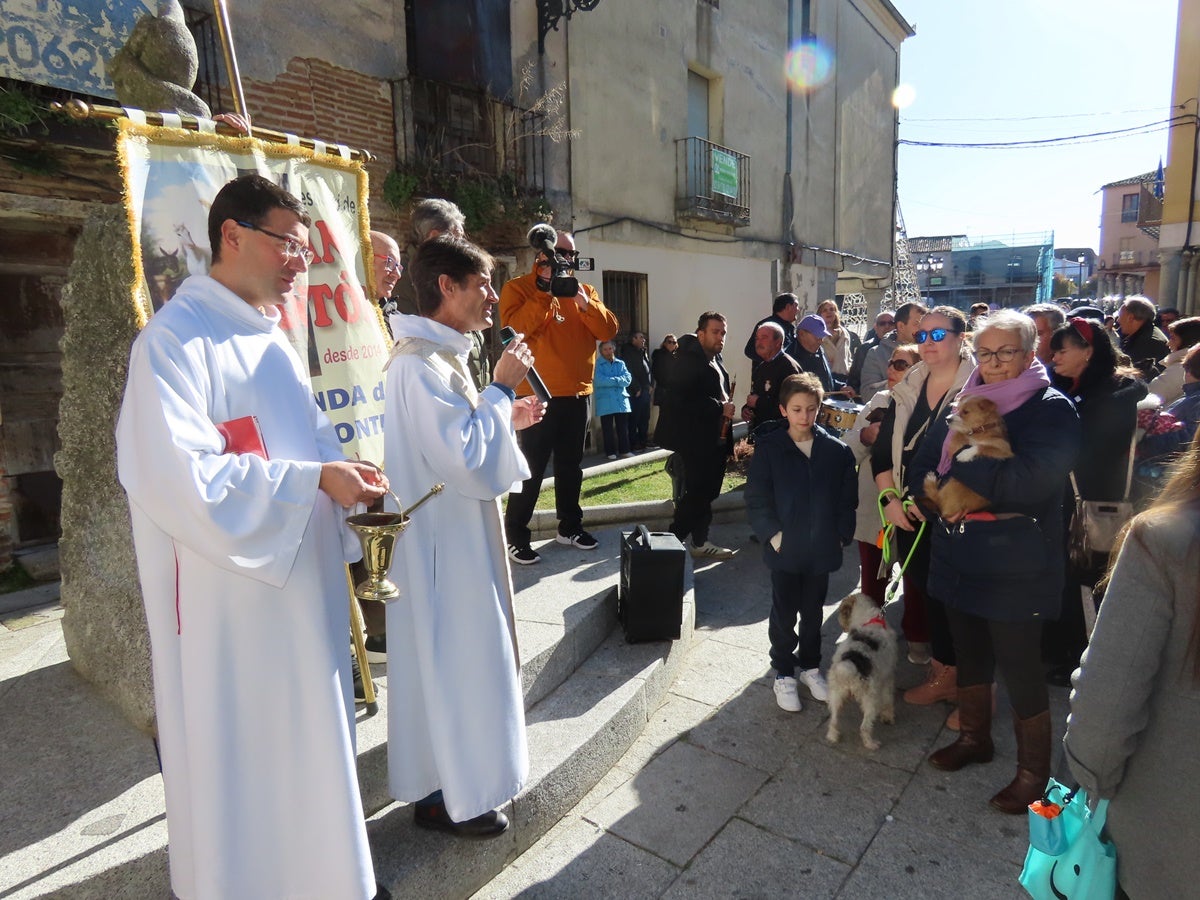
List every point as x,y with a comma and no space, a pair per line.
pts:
878,620
980,428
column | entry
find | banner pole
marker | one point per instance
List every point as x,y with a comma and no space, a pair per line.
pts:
231,65
77,109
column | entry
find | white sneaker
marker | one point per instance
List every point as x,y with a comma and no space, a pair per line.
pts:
709,550
786,694
815,682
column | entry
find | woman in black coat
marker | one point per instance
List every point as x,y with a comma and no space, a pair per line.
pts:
1106,398
999,573
660,360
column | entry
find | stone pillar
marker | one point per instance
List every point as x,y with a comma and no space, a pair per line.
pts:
1179,269
104,623
1192,303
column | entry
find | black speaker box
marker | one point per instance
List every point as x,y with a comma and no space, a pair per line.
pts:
650,600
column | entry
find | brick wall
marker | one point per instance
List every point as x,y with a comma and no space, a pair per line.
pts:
315,99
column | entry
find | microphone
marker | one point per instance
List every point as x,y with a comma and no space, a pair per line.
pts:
543,237
534,379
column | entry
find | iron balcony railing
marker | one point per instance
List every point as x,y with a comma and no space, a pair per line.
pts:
712,182
466,131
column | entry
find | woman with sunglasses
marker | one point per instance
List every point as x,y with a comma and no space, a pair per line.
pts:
923,395
1106,397
999,572
860,437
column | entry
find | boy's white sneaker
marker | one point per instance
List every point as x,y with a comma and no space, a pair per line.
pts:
815,682
786,694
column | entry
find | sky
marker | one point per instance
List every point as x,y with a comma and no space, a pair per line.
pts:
1028,70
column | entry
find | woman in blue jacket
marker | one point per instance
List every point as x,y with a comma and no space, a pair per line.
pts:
612,400
801,494
1000,572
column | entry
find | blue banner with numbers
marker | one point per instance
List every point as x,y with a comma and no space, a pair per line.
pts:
65,43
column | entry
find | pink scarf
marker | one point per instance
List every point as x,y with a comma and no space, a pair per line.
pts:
1007,395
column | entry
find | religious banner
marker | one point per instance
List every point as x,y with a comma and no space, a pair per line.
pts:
171,177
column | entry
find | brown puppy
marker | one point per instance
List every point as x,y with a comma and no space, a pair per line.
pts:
976,429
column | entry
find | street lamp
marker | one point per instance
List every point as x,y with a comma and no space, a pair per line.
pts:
1082,259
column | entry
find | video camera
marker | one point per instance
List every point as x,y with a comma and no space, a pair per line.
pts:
563,264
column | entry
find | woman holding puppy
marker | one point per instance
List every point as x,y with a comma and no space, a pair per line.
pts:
924,394
1000,572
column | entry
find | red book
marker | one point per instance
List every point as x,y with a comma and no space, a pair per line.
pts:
243,436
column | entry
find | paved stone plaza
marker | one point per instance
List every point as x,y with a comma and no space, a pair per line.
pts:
721,795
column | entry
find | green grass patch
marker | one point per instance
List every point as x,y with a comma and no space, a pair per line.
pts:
635,484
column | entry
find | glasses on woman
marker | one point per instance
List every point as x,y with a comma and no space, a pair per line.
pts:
292,248
937,335
898,364
1004,354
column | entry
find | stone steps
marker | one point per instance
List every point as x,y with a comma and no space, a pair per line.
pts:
588,697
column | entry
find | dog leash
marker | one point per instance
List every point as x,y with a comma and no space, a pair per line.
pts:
885,537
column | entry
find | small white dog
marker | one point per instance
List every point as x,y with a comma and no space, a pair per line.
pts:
863,668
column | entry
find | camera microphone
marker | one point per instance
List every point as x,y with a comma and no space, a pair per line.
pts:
534,379
543,237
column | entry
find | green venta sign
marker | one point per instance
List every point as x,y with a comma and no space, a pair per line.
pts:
724,173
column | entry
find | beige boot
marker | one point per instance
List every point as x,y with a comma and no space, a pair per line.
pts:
939,685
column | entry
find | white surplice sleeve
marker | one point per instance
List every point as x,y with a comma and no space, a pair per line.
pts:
242,513
473,450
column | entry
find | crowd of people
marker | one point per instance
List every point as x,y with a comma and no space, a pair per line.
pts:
240,550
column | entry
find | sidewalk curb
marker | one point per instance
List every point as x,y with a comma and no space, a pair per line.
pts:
729,507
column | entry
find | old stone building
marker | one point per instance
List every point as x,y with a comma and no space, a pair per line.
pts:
669,136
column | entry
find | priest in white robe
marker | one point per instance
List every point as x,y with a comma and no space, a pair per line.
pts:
241,547
456,721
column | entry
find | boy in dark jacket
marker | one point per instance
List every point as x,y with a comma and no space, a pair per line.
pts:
801,495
